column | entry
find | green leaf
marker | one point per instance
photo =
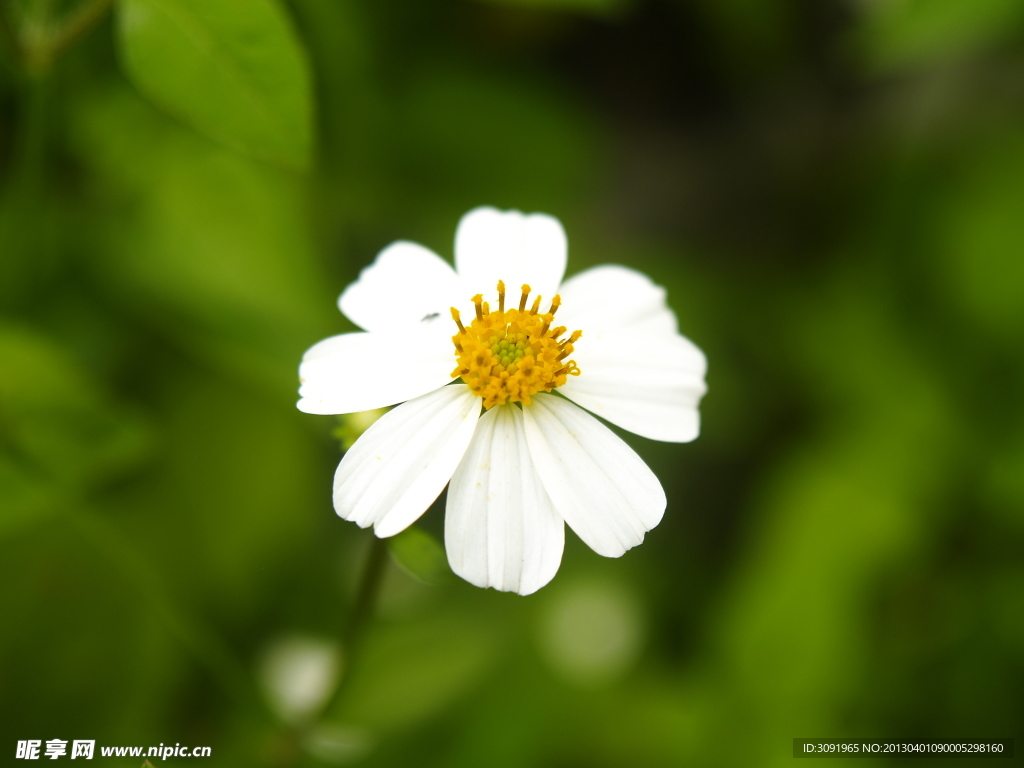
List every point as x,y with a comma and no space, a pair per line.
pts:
420,555
232,69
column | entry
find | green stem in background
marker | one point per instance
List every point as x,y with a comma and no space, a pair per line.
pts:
366,596
362,610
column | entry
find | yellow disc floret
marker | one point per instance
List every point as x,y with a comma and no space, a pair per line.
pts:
507,356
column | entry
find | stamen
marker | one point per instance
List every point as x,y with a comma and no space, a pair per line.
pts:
479,300
555,304
458,321
566,345
501,295
536,305
526,293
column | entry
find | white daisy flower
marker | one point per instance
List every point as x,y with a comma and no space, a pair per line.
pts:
521,461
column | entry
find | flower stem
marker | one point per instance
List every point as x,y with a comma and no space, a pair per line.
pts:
362,610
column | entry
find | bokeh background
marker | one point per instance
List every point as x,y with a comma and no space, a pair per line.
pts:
831,190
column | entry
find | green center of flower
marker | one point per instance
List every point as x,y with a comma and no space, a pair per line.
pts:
507,352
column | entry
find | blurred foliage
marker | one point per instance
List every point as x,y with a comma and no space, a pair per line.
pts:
352,425
421,556
831,191
907,33
231,68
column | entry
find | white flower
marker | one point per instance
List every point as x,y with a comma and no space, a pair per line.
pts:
521,462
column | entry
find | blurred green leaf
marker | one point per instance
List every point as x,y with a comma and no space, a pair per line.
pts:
118,639
233,69
58,436
210,247
238,487
976,228
1004,489
421,556
352,425
411,672
835,515
900,33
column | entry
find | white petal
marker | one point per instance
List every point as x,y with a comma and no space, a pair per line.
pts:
648,384
361,371
598,484
609,297
492,245
500,529
401,464
405,284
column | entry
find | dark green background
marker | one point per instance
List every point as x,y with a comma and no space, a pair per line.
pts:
833,194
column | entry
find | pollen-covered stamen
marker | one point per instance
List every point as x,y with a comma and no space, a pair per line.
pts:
507,356
456,316
567,344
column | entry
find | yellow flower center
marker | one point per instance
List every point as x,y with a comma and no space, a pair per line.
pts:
507,356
